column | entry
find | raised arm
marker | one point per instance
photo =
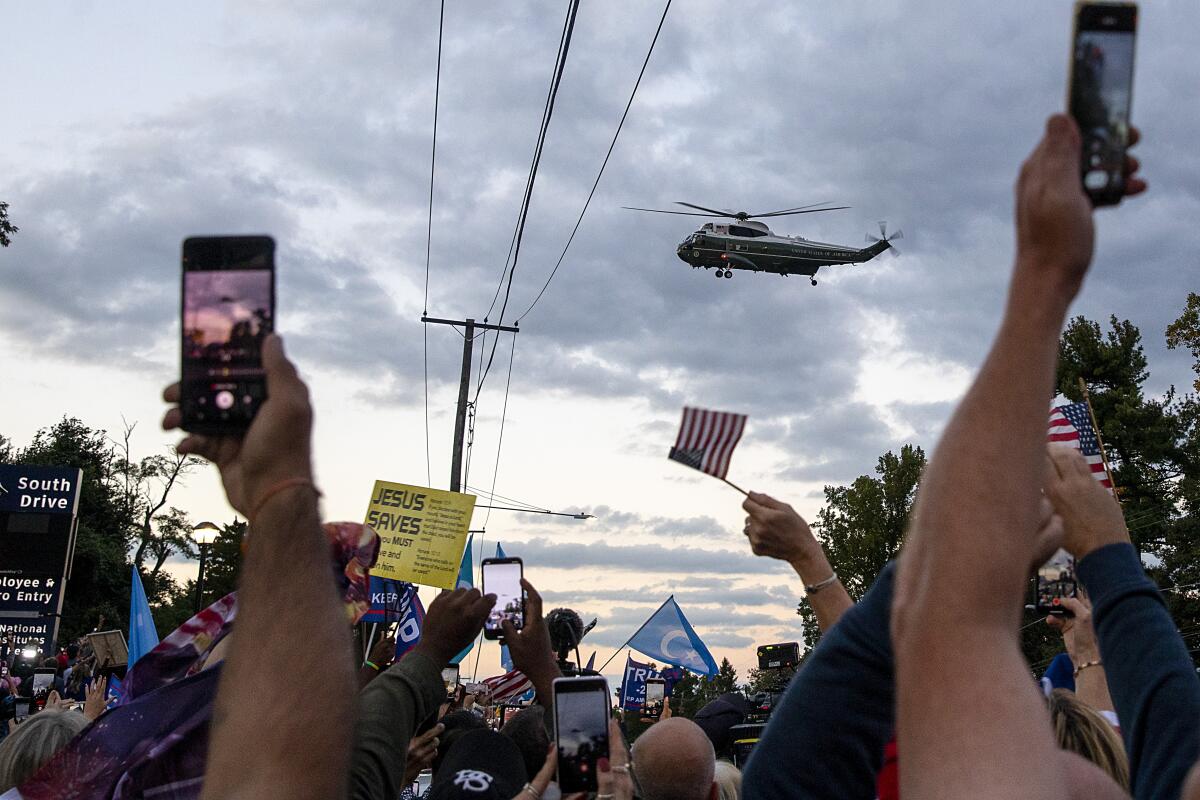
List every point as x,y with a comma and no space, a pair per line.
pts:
777,531
1149,672
969,720
290,619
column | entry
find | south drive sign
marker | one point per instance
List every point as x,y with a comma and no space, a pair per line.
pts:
38,513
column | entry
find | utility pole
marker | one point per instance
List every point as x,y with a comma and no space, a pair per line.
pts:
460,418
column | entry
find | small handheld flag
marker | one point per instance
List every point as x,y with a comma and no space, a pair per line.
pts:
706,441
1071,425
142,635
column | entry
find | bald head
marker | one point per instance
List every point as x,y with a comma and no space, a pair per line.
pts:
674,760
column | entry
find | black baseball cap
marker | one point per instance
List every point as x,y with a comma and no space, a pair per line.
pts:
482,764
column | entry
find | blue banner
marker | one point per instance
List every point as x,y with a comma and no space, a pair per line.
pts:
466,580
408,634
668,637
389,600
142,634
633,684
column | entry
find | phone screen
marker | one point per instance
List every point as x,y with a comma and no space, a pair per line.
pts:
1102,93
42,681
581,729
656,691
503,579
228,309
450,678
1055,580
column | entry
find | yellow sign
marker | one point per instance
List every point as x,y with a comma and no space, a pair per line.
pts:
422,532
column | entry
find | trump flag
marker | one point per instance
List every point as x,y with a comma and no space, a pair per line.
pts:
668,637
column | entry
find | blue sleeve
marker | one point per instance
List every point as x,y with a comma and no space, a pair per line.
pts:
1150,674
826,738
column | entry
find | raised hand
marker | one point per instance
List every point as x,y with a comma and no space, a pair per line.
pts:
1079,637
278,444
383,651
777,531
1090,514
530,647
613,776
452,622
95,698
421,752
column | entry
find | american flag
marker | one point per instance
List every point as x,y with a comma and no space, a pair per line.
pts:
706,440
1072,425
507,686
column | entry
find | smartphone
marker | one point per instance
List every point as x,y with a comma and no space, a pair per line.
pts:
502,577
656,692
450,678
1055,580
228,308
1101,93
43,680
581,710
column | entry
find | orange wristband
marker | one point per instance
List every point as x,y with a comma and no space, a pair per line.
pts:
279,487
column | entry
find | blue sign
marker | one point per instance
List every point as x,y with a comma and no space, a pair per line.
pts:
30,594
40,490
30,630
633,686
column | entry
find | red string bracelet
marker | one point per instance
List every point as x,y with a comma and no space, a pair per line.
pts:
276,489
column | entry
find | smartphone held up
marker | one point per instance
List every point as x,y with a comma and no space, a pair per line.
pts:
581,711
228,309
502,577
1055,580
1101,93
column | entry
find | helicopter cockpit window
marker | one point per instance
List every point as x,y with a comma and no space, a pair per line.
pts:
739,230
708,226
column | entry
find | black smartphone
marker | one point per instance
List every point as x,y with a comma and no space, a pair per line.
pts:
502,577
450,678
43,680
1055,580
1101,93
656,694
581,710
228,308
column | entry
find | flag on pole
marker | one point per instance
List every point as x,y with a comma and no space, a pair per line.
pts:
507,686
591,665
667,636
505,657
143,636
1071,425
706,440
389,600
633,684
466,580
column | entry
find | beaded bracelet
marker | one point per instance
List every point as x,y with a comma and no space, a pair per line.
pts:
819,585
1087,664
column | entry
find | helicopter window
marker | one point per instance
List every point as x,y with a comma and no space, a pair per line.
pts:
708,226
739,230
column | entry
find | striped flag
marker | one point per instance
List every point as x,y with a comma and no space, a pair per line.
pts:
507,686
1072,425
706,440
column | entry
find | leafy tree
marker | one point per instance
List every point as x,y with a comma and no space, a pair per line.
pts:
1185,332
862,525
693,692
1153,447
7,229
768,680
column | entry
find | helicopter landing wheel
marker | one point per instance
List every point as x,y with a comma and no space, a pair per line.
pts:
719,273
728,273
814,281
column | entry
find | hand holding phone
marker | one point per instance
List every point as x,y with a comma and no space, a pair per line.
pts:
581,717
1101,94
228,309
1056,581
502,577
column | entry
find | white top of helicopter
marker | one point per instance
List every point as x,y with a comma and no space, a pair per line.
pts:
761,231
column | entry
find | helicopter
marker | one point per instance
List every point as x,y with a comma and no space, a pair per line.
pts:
745,243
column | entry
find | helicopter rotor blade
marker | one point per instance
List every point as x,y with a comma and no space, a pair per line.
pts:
883,229
873,239
896,235
680,213
797,208
792,213
895,251
710,210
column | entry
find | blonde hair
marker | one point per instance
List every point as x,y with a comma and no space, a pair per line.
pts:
34,742
1081,729
729,780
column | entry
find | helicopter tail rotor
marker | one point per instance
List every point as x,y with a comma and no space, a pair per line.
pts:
883,237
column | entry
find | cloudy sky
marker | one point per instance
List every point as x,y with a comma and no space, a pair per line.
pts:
128,127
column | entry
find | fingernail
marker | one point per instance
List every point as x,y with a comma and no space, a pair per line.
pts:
602,764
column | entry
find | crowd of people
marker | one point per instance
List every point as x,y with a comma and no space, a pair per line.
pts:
918,690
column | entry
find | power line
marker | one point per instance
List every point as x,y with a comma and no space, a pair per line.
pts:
572,11
503,416
437,90
604,164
